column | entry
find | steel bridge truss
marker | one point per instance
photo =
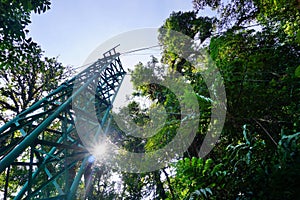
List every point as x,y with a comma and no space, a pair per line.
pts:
42,146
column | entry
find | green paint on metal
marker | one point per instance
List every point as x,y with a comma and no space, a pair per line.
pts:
54,151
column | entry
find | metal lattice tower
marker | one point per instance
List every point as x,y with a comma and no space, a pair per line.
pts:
45,133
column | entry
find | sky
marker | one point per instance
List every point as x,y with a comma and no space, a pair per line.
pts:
72,29
79,31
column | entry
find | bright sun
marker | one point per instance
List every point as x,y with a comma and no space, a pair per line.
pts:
99,150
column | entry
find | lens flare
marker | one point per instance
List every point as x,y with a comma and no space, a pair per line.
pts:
100,150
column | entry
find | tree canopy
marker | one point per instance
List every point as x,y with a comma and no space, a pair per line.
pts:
26,75
255,45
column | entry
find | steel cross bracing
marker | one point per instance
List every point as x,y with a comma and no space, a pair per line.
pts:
41,145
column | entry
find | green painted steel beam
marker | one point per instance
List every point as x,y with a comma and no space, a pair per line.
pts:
52,179
75,184
43,165
5,162
53,149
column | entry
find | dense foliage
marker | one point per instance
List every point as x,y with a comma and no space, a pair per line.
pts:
255,45
26,76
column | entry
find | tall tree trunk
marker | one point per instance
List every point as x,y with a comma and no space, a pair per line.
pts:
160,187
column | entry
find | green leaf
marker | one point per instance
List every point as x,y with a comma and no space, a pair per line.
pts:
298,37
297,72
